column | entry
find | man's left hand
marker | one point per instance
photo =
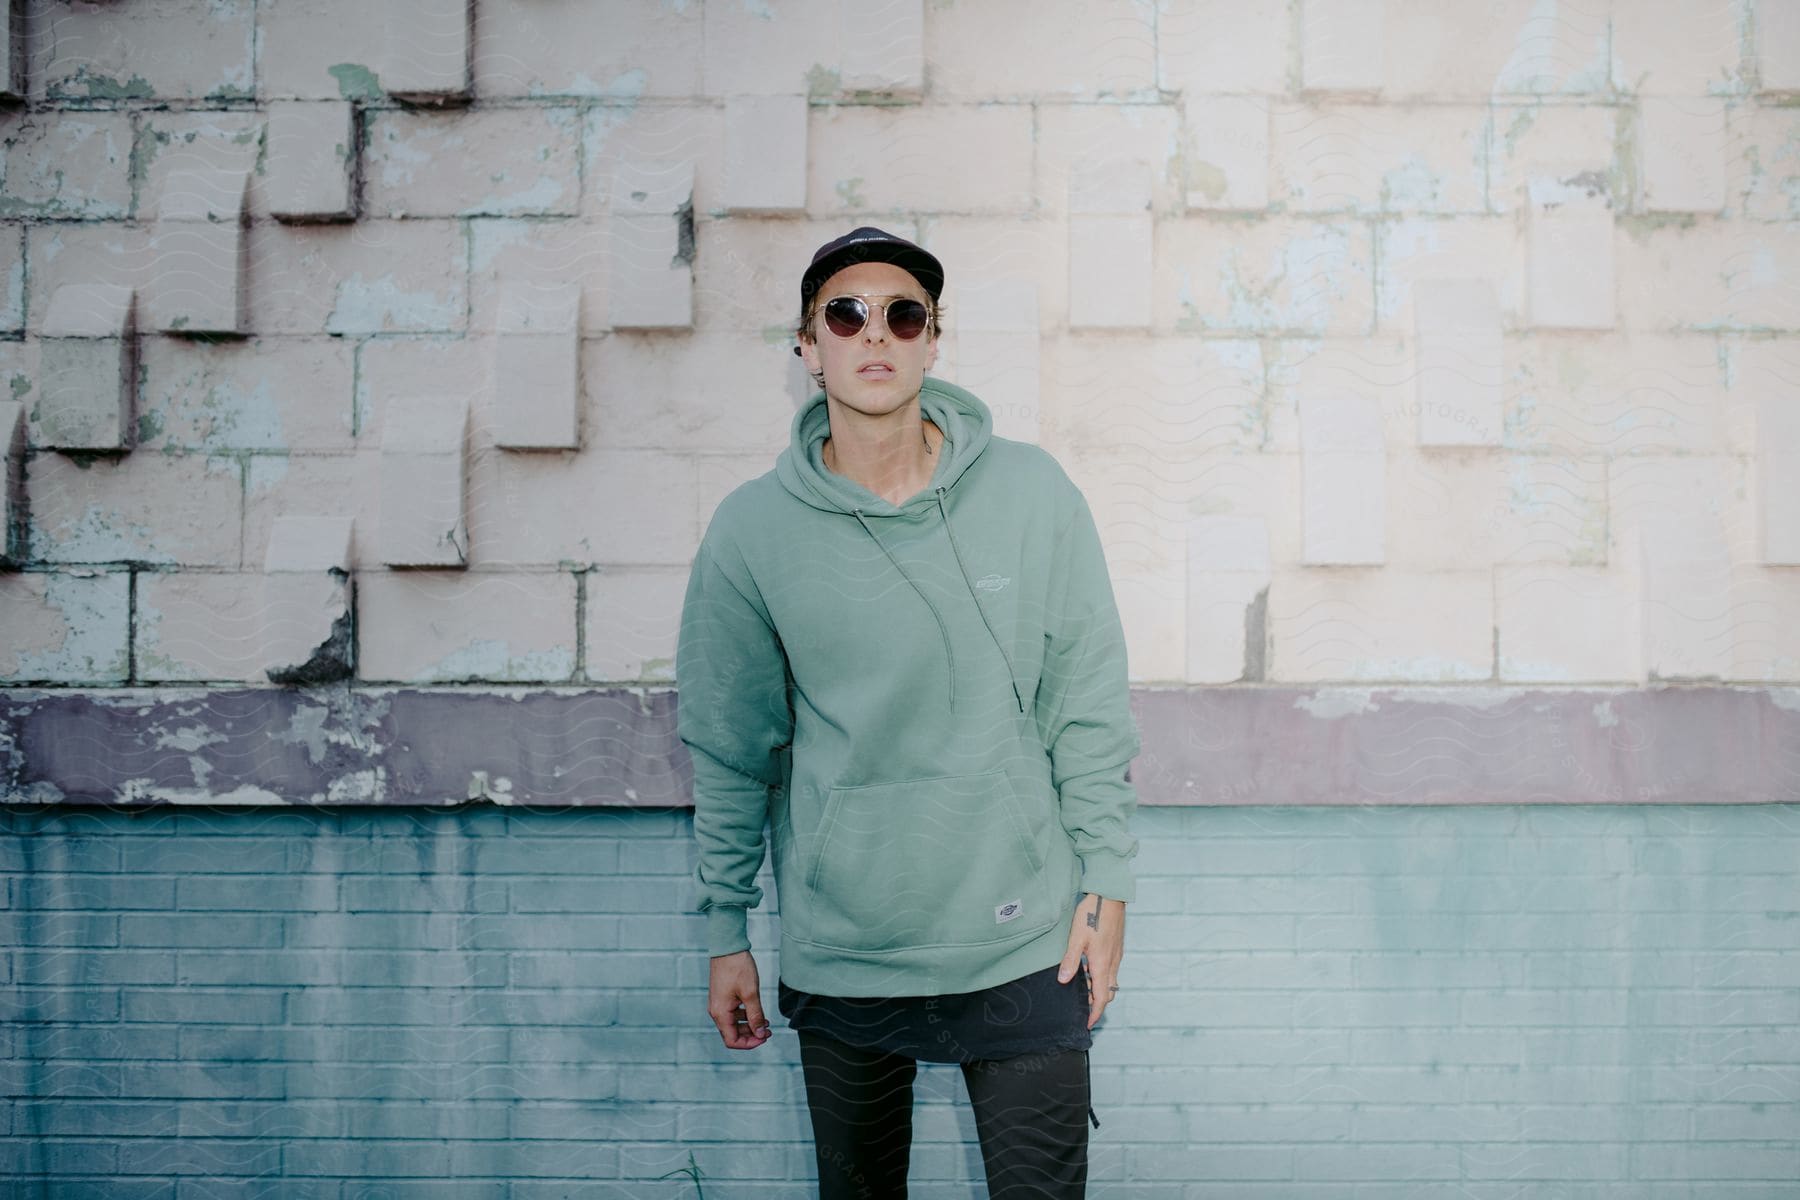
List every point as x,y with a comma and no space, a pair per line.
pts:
1099,934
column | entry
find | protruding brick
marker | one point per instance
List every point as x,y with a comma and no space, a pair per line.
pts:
1344,479
1681,154
1678,47
868,158
88,368
881,47
306,591
1460,365
166,509
414,50
12,279
1213,46
13,440
199,244
1111,248
66,626
312,160
652,275
1685,610
446,627
306,544
1227,582
1563,624
1407,626
1771,375
997,352
617,51
1530,141
1226,163
240,627
537,352
765,154
1497,48
1414,250
1047,50
423,470
1341,45
1569,253
13,51
138,52
632,617
424,54
1778,47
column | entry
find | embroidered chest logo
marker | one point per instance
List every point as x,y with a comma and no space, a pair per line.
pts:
1008,911
992,583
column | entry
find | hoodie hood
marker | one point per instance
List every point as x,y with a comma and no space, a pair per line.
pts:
967,424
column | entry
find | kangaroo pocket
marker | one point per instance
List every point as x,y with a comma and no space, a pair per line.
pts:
948,861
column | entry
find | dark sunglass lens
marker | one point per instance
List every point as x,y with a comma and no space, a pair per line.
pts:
907,319
846,315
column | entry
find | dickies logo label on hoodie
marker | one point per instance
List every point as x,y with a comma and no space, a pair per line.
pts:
1008,911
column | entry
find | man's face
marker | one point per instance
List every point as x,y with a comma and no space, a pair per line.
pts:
873,371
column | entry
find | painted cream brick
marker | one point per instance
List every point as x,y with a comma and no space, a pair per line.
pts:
1768,371
631,622
1765,609
1763,163
12,278
197,626
998,353
1461,369
477,162
13,83
1368,625
637,508
765,154
1616,394
983,248
1682,511
682,139
346,49
1341,45
1678,47
65,626
1546,139
424,454
653,392
1569,256
1281,275
1732,276
1420,252
537,368
199,244
1228,578
179,145
15,437
1110,262
770,48
747,270
452,626
1681,154
1378,158
171,509
1344,479
387,368
1142,524
152,49
1212,46
308,544
1685,611
650,282
1154,395
286,394
882,47
1087,151
371,277
1051,49
572,48
1225,152
1561,624
950,158
87,363
544,256
1496,48
1463,509
312,161
344,487
1778,48
1145,496
1152,612
75,166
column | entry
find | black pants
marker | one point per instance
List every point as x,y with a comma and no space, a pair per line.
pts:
1031,1114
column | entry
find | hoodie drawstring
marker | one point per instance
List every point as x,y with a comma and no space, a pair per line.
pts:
942,628
1007,658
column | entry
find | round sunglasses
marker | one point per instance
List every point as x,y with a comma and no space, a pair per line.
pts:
905,317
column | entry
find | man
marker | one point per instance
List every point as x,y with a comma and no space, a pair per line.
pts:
900,650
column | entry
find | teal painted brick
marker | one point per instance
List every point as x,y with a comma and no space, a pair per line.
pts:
246,1006
46,929
435,893
259,855
1214,1161
261,894
213,929
618,895
1709,1161
51,852
264,1118
59,1004
1551,1162
53,891
219,1081
199,1156
61,968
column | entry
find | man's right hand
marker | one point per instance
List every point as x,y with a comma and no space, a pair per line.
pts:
734,1001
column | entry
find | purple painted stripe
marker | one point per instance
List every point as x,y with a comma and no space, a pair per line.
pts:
608,747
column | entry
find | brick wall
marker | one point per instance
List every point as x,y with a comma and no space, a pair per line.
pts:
1574,1002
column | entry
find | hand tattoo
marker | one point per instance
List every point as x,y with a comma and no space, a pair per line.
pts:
1093,918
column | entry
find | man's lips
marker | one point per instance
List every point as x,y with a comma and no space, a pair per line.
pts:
876,370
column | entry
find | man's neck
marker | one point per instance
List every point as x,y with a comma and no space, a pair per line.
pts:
893,456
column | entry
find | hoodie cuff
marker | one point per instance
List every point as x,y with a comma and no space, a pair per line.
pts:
727,929
1108,875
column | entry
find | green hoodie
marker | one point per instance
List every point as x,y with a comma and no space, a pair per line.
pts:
927,704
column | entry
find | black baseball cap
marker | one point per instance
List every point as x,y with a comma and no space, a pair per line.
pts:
869,244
